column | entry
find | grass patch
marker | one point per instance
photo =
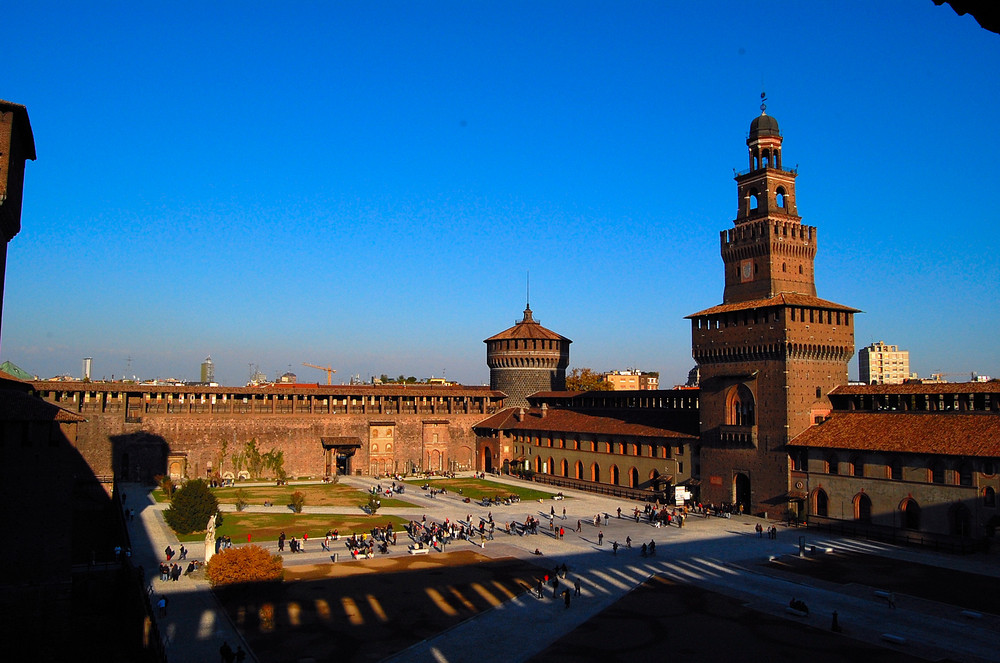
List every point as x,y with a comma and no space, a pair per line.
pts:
477,489
316,495
265,527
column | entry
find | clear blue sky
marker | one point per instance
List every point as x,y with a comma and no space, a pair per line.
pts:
366,184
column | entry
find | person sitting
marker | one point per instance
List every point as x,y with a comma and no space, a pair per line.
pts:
537,552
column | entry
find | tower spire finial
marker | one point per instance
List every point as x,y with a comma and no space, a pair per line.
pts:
763,103
527,289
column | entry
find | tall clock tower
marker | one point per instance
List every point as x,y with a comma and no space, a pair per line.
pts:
772,351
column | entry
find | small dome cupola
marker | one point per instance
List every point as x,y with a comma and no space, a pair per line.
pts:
764,140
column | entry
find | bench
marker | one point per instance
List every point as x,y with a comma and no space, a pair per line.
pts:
419,550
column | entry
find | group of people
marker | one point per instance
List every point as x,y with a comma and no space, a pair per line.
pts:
772,531
294,545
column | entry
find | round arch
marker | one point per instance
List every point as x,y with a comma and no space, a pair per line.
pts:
862,508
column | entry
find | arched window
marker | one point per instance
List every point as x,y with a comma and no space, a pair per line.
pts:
862,508
779,197
821,503
740,410
614,474
989,497
551,466
595,473
754,200
832,463
564,469
579,470
633,478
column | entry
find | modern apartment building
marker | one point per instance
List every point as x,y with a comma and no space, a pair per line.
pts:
883,364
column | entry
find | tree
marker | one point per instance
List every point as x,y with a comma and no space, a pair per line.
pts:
255,460
586,379
274,460
298,501
241,500
244,564
191,507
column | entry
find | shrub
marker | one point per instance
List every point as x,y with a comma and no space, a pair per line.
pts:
191,507
373,504
241,500
242,565
165,484
298,501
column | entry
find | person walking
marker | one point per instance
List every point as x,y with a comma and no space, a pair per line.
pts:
600,538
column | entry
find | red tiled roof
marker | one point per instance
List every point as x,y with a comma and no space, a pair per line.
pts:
781,299
914,432
527,328
571,421
992,387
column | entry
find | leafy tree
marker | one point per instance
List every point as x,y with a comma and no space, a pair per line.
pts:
255,460
241,500
274,460
242,565
373,504
166,484
298,501
191,507
586,379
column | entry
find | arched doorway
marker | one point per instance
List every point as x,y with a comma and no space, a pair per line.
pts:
595,473
487,460
633,478
741,489
862,508
821,503
564,468
911,514
614,474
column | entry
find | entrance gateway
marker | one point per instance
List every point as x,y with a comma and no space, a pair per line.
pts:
337,454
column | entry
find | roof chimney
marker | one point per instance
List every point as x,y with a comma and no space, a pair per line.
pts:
520,414
545,409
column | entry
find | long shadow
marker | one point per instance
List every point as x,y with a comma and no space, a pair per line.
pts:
66,584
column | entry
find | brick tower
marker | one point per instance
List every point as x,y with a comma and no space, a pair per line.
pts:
527,358
16,146
772,351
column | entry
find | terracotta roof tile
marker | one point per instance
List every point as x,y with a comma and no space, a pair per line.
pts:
781,299
992,387
634,423
527,328
976,434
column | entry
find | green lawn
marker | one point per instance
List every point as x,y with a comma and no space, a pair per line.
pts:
316,495
265,527
477,489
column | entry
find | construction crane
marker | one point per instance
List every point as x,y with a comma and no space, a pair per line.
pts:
329,371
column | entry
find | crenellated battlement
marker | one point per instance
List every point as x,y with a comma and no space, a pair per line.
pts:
756,231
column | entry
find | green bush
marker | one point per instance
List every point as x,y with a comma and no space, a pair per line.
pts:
298,501
191,507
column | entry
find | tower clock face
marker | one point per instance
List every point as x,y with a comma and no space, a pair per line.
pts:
746,270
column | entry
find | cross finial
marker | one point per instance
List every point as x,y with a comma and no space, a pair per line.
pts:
763,103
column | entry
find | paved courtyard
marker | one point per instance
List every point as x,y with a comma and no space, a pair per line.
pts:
470,604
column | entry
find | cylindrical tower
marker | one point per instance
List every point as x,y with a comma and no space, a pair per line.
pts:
525,359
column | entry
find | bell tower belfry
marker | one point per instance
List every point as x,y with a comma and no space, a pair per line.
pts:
772,351
769,250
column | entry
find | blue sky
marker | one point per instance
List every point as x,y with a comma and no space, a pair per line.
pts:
366,185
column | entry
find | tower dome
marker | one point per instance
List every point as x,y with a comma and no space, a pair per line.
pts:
764,125
527,358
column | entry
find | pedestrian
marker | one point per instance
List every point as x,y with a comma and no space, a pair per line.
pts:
226,653
576,587
891,599
628,542
184,552
566,597
564,513
561,532
835,626
614,547
619,513
579,526
162,606
600,538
